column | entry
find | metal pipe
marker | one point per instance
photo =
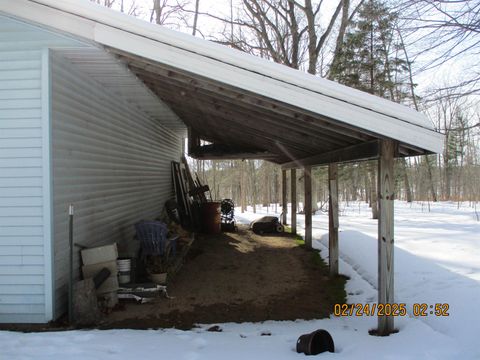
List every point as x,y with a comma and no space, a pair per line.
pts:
70,282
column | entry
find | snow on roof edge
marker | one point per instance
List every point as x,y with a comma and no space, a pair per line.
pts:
98,13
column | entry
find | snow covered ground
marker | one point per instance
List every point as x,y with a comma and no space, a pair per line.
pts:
437,260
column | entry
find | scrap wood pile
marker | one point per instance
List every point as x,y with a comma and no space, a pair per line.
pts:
190,208
190,194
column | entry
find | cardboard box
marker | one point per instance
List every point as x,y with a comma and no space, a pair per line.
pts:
100,254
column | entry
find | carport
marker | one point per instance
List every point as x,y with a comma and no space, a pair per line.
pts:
249,108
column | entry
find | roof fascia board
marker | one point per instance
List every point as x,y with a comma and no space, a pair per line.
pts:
47,16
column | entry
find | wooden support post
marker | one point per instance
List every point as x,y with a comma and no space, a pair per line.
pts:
333,218
293,198
284,197
193,141
385,233
308,206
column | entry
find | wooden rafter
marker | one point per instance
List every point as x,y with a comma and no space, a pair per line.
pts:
238,102
363,151
283,133
194,101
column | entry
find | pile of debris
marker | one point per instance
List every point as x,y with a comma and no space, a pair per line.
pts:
143,278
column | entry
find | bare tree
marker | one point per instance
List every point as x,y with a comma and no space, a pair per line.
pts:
106,3
443,32
120,5
168,12
195,17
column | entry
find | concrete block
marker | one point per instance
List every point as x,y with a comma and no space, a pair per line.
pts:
85,305
109,300
110,285
89,271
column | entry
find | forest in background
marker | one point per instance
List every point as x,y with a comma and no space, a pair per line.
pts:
421,53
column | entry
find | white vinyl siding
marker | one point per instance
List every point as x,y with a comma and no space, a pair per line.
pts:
109,159
25,270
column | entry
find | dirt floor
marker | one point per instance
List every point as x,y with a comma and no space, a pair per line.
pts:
238,277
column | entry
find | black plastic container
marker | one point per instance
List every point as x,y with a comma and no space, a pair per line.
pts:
315,343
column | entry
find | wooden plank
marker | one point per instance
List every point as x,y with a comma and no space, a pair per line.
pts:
308,205
180,257
222,151
386,188
333,218
235,156
246,130
293,198
216,129
191,182
197,99
284,197
193,140
364,151
146,67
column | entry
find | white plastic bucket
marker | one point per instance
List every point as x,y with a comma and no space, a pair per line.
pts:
124,267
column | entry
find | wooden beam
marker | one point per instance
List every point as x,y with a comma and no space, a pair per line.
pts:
178,93
386,188
333,218
364,151
284,197
246,120
293,198
193,140
220,149
217,129
307,208
153,68
234,156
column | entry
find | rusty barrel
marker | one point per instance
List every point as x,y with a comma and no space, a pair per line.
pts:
211,219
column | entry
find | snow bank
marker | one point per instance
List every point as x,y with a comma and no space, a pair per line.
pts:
437,257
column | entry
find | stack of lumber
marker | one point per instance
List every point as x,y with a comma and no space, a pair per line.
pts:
189,194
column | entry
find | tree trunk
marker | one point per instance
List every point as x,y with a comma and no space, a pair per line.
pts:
430,179
214,170
266,185
408,190
373,192
195,17
243,190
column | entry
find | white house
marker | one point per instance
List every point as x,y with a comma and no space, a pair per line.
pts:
94,106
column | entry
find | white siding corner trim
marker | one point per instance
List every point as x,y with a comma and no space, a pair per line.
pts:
47,184
25,172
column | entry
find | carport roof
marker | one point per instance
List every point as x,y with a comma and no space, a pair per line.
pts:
244,105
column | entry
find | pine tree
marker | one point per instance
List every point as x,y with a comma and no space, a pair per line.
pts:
369,61
369,58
